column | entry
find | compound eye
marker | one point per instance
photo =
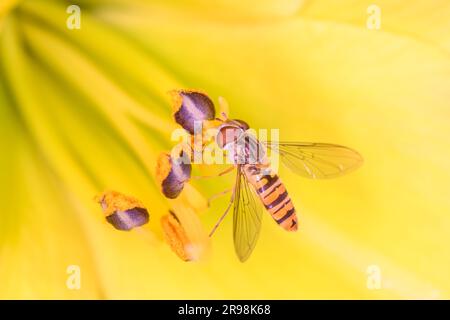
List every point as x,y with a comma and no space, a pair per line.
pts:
242,124
226,135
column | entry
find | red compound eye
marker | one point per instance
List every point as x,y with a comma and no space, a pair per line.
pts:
228,134
242,124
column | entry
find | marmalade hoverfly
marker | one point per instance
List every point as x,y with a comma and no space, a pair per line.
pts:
257,187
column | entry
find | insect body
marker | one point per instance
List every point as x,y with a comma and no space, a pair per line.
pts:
249,155
256,186
273,195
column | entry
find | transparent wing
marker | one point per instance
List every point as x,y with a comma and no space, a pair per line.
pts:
317,160
247,215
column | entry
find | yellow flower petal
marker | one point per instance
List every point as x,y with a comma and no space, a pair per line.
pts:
381,93
97,120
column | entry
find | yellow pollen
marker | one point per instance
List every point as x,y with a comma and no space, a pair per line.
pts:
176,100
176,237
112,201
163,167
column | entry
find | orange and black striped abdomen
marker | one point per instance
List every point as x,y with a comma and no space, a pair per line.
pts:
274,196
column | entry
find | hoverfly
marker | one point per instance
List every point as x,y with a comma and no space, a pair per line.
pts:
257,187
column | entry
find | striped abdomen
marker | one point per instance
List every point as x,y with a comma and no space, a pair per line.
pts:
274,196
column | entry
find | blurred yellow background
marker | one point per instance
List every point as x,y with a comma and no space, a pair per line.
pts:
86,109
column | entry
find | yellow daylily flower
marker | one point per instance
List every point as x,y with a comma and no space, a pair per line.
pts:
84,110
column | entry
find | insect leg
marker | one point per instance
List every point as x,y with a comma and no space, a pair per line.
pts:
224,214
217,195
216,175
